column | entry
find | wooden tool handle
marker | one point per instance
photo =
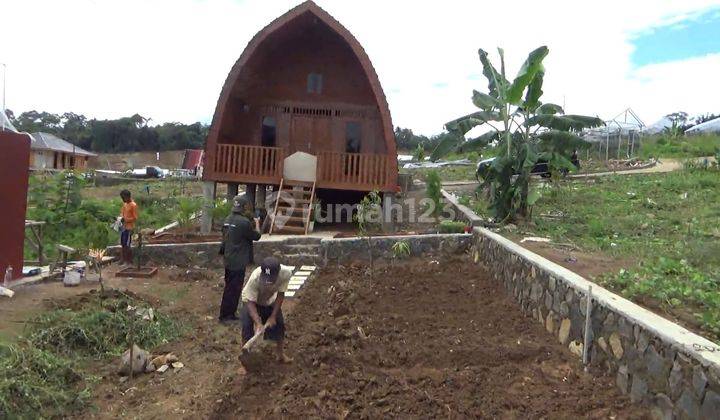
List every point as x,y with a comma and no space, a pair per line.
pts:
251,342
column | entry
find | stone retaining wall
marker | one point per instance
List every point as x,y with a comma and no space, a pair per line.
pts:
306,250
345,250
654,360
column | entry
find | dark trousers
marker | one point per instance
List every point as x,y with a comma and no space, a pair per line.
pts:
125,242
276,333
231,295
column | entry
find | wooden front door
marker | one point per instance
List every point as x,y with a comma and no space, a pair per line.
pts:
310,134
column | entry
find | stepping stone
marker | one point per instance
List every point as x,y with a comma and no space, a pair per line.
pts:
296,282
290,267
307,268
290,293
294,286
303,273
298,278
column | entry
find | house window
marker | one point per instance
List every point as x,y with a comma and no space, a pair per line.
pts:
352,137
269,132
314,83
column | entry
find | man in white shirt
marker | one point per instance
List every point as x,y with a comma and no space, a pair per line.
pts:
262,298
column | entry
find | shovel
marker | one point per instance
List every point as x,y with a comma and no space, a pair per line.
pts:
254,340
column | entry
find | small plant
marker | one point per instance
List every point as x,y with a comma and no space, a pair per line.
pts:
448,226
97,256
433,190
401,249
221,209
187,209
419,153
368,218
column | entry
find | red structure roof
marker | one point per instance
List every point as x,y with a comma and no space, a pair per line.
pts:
193,159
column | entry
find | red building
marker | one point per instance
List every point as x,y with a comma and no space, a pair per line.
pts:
303,84
15,150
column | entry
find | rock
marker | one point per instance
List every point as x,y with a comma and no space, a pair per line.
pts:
622,379
711,405
675,380
140,359
616,346
569,295
548,301
576,348
638,390
625,328
536,292
164,359
162,368
177,365
642,341
609,322
699,381
564,309
551,283
564,333
603,344
689,407
550,323
658,369
662,409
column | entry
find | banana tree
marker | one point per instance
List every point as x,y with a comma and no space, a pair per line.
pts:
527,130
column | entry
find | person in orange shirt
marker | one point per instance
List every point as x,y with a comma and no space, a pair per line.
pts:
128,217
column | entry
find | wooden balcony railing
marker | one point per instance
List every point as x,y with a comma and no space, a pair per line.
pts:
242,163
364,171
264,165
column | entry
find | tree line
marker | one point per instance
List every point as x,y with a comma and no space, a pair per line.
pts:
134,134
128,134
408,141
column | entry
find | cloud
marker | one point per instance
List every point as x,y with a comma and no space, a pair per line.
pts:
168,59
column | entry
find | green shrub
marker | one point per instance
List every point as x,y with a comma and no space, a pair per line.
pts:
448,226
100,329
35,383
433,190
221,210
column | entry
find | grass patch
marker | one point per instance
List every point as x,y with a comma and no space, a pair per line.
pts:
100,327
39,376
683,147
642,218
36,383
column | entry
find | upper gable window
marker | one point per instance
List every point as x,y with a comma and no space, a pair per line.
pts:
314,83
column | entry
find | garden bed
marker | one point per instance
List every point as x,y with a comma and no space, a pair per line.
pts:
420,339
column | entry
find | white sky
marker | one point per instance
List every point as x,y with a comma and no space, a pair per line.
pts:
168,59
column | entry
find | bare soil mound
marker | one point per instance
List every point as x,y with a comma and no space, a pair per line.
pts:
420,339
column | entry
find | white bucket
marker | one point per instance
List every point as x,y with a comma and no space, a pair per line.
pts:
73,277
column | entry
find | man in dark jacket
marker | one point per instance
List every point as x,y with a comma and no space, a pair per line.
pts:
239,232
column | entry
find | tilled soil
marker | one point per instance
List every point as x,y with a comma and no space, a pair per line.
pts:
419,339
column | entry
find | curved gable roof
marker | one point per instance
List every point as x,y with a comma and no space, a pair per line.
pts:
325,17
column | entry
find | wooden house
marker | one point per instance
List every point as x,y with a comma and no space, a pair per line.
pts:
303,84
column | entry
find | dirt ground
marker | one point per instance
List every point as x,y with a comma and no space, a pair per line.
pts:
419,340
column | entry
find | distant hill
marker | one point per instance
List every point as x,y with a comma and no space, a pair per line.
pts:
171,159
